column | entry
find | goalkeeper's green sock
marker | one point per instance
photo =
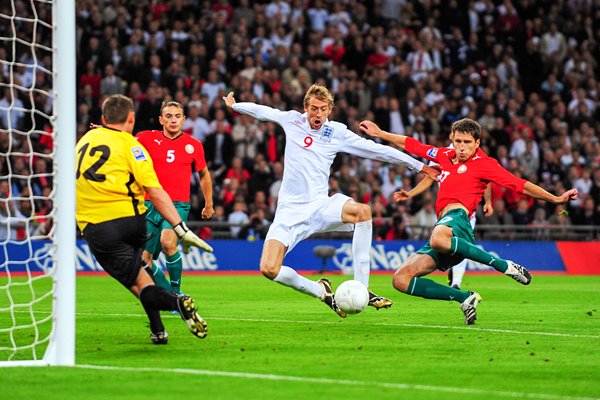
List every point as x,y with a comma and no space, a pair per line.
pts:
464,248
175,267
429,289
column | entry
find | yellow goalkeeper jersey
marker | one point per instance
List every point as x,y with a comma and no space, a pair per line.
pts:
112,170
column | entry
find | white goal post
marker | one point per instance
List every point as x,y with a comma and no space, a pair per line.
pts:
37,304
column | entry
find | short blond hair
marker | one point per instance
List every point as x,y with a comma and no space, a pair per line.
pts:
319,92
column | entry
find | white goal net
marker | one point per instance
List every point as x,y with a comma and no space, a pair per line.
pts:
37,201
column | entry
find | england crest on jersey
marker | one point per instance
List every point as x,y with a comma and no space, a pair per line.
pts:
326,134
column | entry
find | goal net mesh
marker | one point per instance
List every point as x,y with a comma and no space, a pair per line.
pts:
27,187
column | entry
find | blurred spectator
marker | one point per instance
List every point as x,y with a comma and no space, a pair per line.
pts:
111,84
540,222
398,229
11,111
521,215
247,138
238,218
501,216
219,149
553,42
425,218
195,125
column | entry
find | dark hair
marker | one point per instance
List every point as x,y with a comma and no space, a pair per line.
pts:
467,125
116,108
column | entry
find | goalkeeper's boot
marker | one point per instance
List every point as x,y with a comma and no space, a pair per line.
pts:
328,297
159,337
378,302
469,307
518,273
189,313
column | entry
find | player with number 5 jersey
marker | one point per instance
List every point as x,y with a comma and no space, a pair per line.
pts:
466,172
304,207
176,156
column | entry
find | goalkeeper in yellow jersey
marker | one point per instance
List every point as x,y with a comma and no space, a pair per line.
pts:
114,172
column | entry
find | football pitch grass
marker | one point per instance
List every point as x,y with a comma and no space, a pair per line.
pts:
269,342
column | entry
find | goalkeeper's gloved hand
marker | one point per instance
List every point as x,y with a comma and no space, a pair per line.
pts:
189,238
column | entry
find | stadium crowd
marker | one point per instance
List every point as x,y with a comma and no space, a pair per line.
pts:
526,70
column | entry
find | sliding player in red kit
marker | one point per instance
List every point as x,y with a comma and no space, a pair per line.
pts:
466,171
176,155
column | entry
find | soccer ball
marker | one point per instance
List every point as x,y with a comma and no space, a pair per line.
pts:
352,297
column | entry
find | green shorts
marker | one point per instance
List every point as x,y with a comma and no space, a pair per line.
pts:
155,223
458,220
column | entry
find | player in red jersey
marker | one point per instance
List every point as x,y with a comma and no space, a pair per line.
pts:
176,155
466,171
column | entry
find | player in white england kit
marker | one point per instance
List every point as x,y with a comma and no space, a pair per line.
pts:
456,273
304,207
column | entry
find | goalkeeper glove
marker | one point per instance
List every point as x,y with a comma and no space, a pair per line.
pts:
189,238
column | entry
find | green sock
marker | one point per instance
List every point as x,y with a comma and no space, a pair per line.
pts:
159,277
429,289
462,247
175,266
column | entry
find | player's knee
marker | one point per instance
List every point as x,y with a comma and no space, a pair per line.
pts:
269,269
169,247
401,280
439,243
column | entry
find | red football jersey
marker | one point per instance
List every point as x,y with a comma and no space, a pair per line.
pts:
174,161
464,182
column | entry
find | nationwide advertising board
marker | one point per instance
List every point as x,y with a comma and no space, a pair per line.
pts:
239,256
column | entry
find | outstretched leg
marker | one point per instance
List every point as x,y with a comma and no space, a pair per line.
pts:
443,241
270,266
409,279
468,250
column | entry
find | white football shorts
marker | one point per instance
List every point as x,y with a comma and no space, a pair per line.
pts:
295,222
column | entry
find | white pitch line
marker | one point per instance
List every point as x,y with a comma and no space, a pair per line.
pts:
329,381
425,326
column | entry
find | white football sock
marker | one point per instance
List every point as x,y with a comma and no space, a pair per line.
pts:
289,277
361,251
457,273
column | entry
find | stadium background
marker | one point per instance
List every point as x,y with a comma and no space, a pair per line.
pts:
527,71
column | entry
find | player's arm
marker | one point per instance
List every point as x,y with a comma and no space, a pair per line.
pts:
505,179
372,129
537,192
207,190
359,146
423,185
260,112
488,209
410,145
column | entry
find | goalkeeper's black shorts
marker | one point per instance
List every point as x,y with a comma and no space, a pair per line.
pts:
118,245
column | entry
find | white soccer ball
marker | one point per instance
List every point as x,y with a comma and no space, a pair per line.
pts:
352,297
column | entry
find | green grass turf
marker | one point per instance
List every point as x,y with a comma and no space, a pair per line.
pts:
269,342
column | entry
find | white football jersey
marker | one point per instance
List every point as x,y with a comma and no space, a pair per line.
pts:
309,153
